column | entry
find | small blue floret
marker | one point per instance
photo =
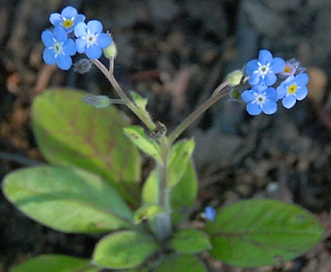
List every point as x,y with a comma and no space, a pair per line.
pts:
260,99
209,213
292,89
68,18
58,48
90,39
262,71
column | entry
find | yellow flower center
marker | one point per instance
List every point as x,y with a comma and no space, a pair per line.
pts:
68,23
292,88
287,70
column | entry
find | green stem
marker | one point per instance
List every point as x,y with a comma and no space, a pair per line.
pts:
136,110
163,220
217,95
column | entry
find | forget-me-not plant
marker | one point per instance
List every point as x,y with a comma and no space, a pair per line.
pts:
95,183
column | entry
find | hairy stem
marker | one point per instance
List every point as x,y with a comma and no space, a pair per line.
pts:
217,95
136,110
163,220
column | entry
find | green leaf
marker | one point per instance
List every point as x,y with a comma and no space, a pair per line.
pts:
189,241
55,263
182,196
72,133
147,211
255,233
124,249
67,199
180,156
180,263
147,145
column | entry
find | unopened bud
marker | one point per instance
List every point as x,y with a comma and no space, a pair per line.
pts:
98,101
110,51
82,66
235,77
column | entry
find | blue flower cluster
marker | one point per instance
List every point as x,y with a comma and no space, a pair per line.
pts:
273,79
60,47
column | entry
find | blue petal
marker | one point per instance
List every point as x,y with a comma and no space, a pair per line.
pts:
94,26
210,213
259,88
80,45
79,18
302,79
60,34
281,91
289,101
270,79
47,38
269,107
247,96
64,62
104,40
80,29
277,65
93,52
254,79
69,12
265,56
301,93
251,66
48,56
253,109
271,94
55,19
69,47
288,81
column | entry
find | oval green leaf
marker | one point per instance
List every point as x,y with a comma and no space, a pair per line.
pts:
180,157
147,145
55,263
67,199
255,233
180,263
72,133
124,249
190,241
147,211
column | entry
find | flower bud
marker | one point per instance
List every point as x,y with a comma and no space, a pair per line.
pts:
110,51
82,66
98,101
235,77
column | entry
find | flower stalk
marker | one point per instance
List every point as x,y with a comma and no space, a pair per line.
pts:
163,220
217,95
140,113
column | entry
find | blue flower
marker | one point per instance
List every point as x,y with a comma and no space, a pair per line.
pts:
263,71
209,213
90,39
58,48
68,18
260,98
292,89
